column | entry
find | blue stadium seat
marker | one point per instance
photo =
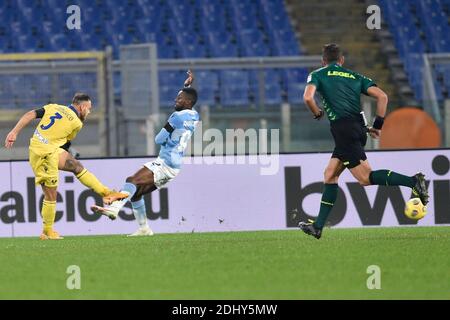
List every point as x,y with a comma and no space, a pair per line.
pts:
168,52
170,82
222,45
209,79
24,4
182,29
418,26
446,76
273,86
170,78
25,43
232,96
295,81
272,93
234,90
59,42
207,96
295,92
167,95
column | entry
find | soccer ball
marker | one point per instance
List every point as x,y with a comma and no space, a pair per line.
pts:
414,209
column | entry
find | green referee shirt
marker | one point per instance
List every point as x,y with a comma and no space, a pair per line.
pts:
340,89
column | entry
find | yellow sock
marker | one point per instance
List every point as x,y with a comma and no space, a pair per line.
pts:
91,181
48,215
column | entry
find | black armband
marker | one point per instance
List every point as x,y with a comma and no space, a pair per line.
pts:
66,146
39,112
169,128
378,123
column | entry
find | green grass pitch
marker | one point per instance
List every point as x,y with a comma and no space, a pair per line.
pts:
414,264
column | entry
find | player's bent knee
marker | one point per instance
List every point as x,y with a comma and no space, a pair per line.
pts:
78,167
73,166
141,179
50,197
50,193
132,180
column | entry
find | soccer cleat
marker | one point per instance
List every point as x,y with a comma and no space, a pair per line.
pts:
309,228
145,231
51,235
420,188
109,212
114,196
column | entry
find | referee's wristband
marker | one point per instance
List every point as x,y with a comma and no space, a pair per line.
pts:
378,123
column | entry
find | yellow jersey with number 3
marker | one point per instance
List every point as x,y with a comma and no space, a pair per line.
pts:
58,125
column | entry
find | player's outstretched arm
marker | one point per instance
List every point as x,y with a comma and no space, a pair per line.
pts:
22,123
308,98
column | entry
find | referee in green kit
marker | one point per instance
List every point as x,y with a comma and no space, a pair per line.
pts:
341,89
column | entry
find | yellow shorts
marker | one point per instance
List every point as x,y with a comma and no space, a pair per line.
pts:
45,167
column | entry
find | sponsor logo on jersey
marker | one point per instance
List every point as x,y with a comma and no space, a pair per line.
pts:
340,74
38,135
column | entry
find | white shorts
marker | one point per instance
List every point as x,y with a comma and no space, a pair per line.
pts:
162,173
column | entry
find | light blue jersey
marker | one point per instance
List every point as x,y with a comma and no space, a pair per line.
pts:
173,144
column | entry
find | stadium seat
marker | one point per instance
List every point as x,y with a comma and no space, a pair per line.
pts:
234,90
167,95
418,26
272,86
194,29
170,82
207,96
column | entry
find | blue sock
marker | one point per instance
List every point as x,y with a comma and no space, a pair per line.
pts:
131,189
139,212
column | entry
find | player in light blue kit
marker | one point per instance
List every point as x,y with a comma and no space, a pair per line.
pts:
173,138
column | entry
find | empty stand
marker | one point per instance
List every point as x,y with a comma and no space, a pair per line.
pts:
182,29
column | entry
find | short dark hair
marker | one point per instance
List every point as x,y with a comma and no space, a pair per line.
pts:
191,93
331,52
80,97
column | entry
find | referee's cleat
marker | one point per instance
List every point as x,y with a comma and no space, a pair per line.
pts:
310,229
420,188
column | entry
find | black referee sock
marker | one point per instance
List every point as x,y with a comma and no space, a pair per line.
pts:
390,178
329,196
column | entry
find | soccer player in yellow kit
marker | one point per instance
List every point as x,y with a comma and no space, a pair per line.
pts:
58,126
